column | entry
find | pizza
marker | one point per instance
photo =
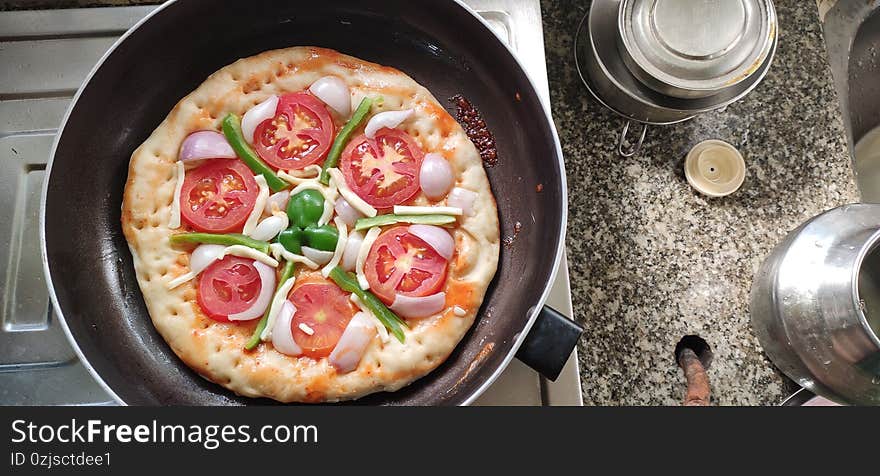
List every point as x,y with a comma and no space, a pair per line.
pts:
310,227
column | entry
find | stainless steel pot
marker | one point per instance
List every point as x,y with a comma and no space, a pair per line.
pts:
690,49
608,79
815,304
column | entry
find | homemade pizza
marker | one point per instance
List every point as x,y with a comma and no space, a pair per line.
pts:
310,227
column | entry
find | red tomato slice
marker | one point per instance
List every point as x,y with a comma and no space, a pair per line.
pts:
300,134
401,263
384,171
324,308
218,196
228,286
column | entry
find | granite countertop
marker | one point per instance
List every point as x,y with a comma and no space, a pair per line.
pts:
650,259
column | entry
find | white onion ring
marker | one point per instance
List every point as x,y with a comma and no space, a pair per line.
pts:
347,212
282,334
418,307
205,145
353,343
320,257
333,92
267,288
436,238
352,247
270,227
203,256
277,200
389,119
435,176
256,115
464,199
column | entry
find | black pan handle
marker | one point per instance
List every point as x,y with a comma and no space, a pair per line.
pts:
547,346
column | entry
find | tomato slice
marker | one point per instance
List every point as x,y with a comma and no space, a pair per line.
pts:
402,263
300,134
218,196
326,309
384,171
228,286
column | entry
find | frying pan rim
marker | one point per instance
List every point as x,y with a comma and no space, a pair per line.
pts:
520,336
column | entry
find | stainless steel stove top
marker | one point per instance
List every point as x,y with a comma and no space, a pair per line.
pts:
45,56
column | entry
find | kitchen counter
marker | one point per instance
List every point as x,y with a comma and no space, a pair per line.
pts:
650,259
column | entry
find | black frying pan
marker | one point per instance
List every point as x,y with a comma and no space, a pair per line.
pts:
441,44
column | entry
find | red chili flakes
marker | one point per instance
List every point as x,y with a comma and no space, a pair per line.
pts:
476,130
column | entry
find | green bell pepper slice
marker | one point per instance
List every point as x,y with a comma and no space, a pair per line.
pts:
216,239
348,282
322,238
305,208
391,219
232,131
343,137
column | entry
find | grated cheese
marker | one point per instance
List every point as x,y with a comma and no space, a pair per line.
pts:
174,221
328,212
279,251
407,210
329,193
458,311
306,329
369,239
340,246
352,198
274,308
259,205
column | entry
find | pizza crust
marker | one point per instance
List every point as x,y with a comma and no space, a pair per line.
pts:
216,350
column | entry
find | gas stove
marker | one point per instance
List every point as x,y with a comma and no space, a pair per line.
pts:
46,54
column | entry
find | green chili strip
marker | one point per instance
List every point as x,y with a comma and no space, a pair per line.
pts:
232,131
226,240
348,283
343,137
391,218
286,273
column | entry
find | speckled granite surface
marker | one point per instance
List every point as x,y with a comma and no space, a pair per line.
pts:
650,259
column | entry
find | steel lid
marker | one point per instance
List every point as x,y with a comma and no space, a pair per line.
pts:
689,48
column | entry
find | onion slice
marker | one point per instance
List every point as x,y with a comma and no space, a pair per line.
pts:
256,115
270,227
436,238
205,145
333,92
319,257
418,307
267,287
259,205
275,308
203,256
353,343
435,176
282,335
352,247
346,212
277,202
389,119
464,199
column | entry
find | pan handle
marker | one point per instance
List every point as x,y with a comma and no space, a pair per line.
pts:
549,343
634,149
